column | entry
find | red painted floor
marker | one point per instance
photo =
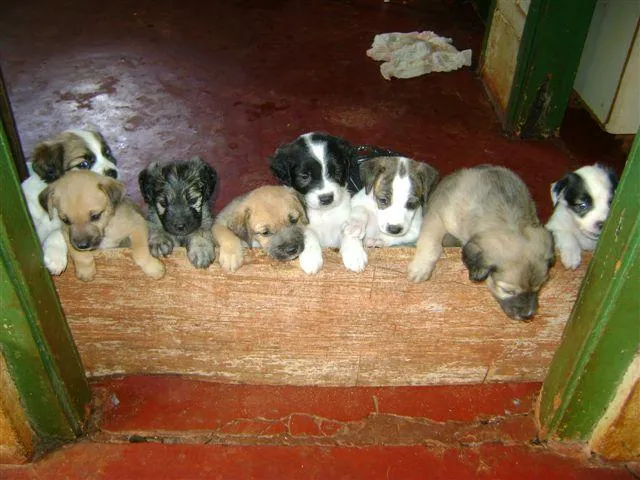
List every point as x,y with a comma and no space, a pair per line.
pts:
230,81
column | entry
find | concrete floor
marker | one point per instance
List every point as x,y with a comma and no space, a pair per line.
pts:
230,81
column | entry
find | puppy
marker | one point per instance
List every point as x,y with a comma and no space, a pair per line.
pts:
582,200
388,211
96,214
269,217
490,212
71,150
178,196
316,165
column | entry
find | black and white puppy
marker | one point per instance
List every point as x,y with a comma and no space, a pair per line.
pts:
582,200
51,159
317,166
178,195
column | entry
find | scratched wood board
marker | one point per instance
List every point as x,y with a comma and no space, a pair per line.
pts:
269,323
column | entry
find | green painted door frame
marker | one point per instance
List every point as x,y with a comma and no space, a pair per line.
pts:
602,335
34,336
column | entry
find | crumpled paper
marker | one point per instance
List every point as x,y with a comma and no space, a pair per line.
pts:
408,55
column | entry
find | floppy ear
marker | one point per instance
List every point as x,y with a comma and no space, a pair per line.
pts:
45,198
428,178
48,161
239,223
208,177
345,149
369,171
281,165
113,189
303,209
147,182
558,187
474,260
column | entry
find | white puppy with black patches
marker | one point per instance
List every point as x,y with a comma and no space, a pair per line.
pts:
582,200
317,166
388,210
51,159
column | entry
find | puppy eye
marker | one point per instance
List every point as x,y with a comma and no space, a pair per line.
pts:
106,151
94,217
293,220
412,205
265,233
193,201
383,201
304,177
84,165
162,202
509,292
65,220
581,206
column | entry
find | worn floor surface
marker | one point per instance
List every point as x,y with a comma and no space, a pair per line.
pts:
230,81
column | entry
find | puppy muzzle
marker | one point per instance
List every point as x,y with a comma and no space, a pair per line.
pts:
287,244
85,242
520,307
180,223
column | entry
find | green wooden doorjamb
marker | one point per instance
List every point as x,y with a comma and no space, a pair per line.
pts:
602,335
548,59
34,337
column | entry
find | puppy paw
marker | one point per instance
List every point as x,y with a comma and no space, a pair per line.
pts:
419,271
355,229
570,257
154,268
55,259
160,245
311,260
231,259
201,253
86,273
354,256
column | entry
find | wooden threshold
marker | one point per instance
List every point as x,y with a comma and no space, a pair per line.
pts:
269,323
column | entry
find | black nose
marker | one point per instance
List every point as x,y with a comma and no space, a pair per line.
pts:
326,199
82,244
394,229
180,227
111,173
292,250
599,225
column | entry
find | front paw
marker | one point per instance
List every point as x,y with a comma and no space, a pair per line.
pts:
419,271
201,253
354,256
311,260
55,259
153,268
86,273
160,245
570,257
355,229
231,258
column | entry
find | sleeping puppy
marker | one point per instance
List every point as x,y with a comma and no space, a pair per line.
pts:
317,165
51,159
489,211
96,214
269,217
388,211
178,196
582,200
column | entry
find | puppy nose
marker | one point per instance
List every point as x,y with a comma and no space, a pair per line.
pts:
82,244
599,225
394,229
292,250
111,173
180,227
325,199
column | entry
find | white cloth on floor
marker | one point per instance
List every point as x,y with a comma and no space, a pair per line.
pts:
408,55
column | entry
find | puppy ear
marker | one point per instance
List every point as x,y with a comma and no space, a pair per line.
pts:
474,259
45,198
281,165
48,161
147,182
208,177
239,223
428,177
113,189
345,150
369,171
558,187
302,208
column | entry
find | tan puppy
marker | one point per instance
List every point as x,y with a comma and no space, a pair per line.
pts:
269,217
96,214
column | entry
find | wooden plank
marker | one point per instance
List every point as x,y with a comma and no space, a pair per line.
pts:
269,323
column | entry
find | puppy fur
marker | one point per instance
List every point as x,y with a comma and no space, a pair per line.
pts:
388,211
270,217
51,159
582,200
178,195
96,214
490,212
317,165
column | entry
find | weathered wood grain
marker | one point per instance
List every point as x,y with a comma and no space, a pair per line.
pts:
271,323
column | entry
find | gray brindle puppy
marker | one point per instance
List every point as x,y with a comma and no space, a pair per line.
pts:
178,195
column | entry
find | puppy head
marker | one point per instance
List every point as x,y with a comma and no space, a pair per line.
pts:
586,194
178,192
400,186
274,217
73,150
317,166
85,202
514,263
